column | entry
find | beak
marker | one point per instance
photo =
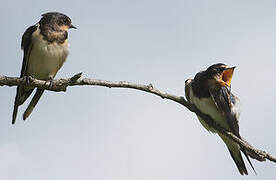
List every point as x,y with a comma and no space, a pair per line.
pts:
227,75
72,27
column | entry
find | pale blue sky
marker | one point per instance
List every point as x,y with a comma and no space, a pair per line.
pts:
101,134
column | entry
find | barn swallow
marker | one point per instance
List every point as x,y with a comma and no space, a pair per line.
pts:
210,92
45,47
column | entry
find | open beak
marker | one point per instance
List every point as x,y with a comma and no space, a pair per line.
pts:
227,75
72,27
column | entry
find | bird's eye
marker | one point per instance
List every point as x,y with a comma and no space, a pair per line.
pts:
67,21
63,22
220,69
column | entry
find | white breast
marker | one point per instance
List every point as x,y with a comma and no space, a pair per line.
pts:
207,106
45,58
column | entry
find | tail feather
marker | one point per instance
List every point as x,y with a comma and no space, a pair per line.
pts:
14,114
33,103
236,156
235,152
21,96
245,154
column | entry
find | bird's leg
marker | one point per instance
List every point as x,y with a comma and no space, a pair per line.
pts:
50,81
28,79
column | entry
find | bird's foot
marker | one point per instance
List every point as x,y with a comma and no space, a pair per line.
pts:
50,81
28,79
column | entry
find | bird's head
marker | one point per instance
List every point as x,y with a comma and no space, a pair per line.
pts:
220,73
57,21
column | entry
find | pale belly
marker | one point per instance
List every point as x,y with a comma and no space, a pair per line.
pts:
207,106
46,59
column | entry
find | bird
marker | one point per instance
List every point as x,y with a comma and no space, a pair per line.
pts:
45,47
210,92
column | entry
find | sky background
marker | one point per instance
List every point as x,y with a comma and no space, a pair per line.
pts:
123,134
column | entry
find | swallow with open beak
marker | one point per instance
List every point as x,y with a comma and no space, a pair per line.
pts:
45,47
210,92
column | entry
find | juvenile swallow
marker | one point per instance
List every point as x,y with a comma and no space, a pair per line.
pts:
210,92
45,47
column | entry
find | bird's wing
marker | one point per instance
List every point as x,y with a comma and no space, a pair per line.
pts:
21,93
26,46
187,89
227,104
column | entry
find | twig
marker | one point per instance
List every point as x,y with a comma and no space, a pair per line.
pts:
59,85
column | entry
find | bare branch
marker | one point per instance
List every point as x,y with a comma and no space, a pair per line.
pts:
61,85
